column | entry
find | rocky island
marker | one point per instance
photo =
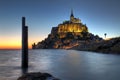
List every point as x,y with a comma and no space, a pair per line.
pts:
67,35
73,34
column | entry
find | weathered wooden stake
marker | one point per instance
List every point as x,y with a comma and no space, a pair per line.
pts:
24,44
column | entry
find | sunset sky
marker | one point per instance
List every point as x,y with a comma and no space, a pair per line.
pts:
101,16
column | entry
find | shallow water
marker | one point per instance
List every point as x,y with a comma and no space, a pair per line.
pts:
63,64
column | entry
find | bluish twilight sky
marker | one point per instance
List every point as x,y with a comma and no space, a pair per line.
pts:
101,16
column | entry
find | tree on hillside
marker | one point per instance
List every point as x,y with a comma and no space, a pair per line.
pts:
105,35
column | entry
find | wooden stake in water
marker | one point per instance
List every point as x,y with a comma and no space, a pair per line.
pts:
24,44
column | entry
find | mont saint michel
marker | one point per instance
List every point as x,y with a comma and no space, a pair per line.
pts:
67,35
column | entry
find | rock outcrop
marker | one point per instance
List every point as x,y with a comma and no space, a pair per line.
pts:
104,46
110,46
53,41
37,76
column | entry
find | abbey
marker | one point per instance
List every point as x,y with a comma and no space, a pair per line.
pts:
66,35
74,26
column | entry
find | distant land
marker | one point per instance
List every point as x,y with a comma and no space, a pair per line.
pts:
73,34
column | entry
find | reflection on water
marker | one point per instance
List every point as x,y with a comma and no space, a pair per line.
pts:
63,64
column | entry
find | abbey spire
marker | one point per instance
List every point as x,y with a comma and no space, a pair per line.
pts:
71,13
73,19
71,16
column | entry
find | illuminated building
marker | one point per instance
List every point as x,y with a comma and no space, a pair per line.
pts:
74,26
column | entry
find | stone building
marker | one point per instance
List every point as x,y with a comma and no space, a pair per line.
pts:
74,25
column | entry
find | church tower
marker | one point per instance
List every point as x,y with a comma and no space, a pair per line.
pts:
71,16
73,19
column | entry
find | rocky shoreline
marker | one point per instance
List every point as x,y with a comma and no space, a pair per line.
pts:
111,46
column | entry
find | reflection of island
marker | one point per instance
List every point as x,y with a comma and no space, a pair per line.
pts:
73,34
67,35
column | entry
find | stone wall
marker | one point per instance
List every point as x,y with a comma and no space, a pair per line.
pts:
72,27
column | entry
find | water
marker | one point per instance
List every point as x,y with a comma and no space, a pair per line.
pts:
63,64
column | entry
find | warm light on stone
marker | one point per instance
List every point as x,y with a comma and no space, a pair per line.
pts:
72,27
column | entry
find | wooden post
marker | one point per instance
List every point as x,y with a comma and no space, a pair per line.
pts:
24,44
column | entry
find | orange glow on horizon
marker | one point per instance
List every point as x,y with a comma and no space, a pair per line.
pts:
15,42
12,43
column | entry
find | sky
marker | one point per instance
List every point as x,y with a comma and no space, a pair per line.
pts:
100,16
